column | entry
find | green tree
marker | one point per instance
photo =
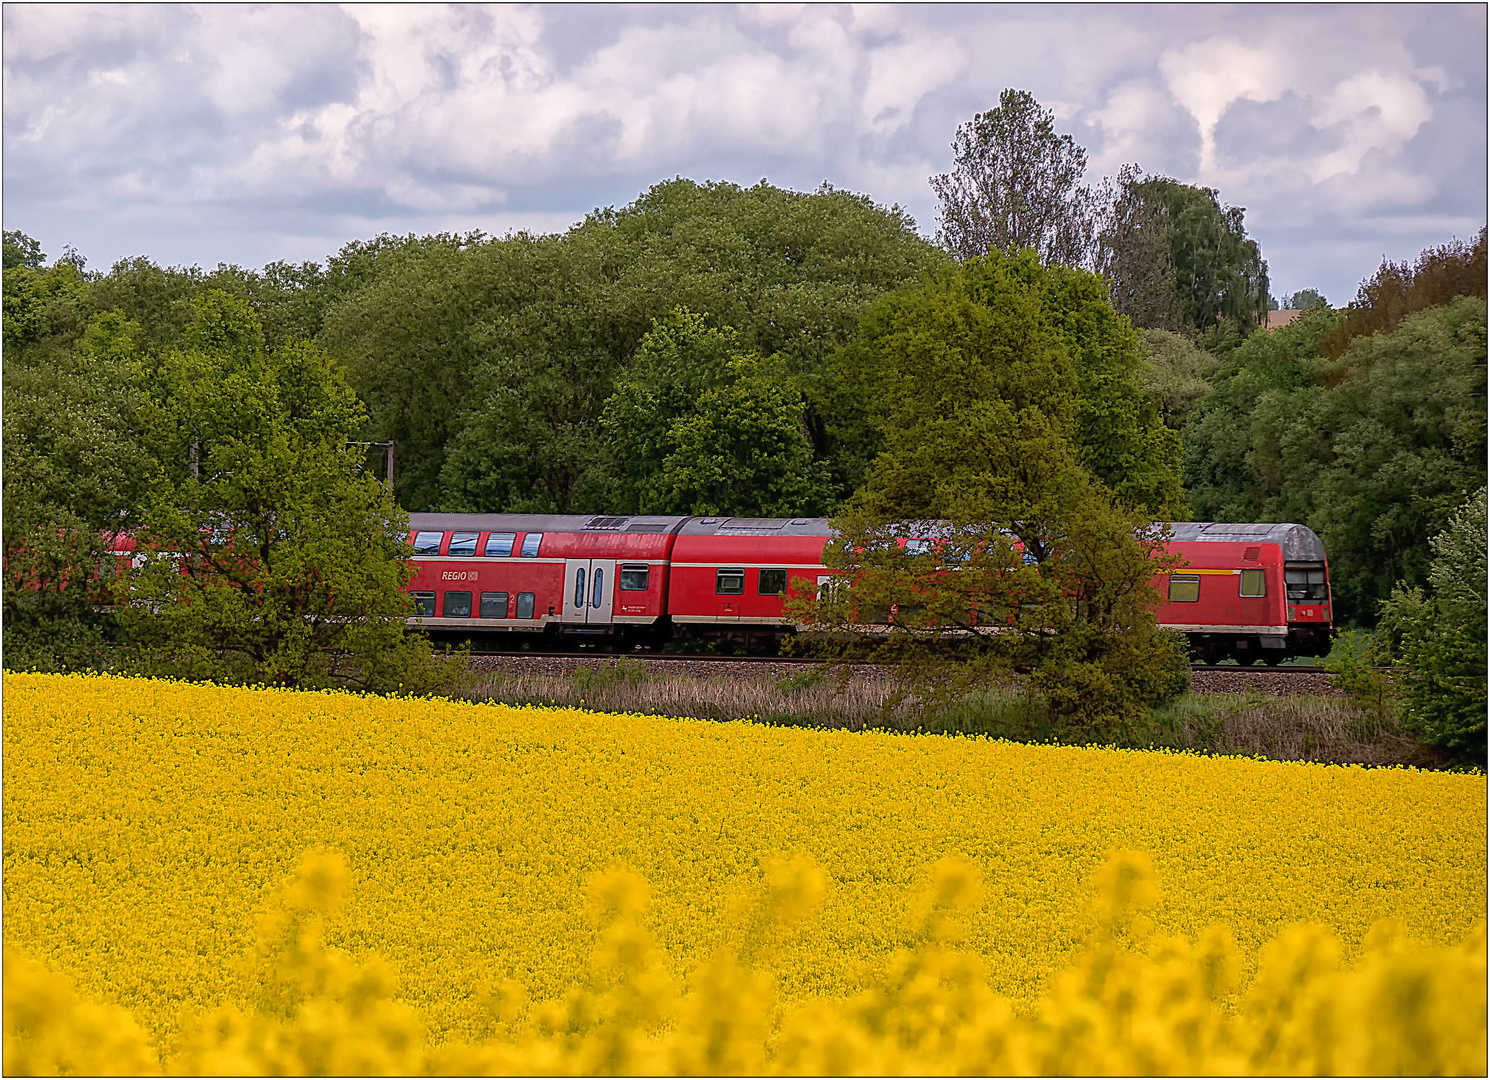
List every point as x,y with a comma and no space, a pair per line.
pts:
1397,290
1372,452
1116,431
270,556
21,250
1021,560
72,484
1303,300
742,450
490,362
1175,370
1180,260
1016,184
700,425
43,303
680,360
1439,639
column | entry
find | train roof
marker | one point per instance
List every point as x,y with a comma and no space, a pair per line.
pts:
1299,543
753,526
558,523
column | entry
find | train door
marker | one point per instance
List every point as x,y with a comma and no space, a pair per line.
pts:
602,590
589,590
576,590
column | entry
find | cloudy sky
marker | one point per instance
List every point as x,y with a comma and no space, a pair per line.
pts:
245,134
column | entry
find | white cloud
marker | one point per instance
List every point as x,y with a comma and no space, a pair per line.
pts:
1379,112
1209,75
155,128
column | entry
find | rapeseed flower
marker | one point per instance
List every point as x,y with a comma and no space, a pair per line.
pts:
506,889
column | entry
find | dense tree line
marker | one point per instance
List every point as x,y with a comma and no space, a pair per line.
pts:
1372,445
716,349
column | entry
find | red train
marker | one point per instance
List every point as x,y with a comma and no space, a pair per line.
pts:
1252,592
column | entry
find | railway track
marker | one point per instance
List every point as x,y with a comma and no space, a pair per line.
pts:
596,654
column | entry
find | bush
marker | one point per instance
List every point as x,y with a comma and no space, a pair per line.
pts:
1439,640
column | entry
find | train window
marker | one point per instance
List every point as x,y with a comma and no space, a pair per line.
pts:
1305,581
424,604
457,605
427,543
597,597
729,582
524,605
579,588
493,605
499,545
530,545
1252,584
917,546
633,578
771,583
463,543
1184,588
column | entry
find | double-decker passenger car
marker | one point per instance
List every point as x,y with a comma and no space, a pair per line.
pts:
1253,592
500,573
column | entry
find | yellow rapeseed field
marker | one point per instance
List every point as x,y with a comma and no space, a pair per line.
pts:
484,880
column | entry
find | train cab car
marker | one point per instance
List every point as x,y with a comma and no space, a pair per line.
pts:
1251,592
731,575
481,574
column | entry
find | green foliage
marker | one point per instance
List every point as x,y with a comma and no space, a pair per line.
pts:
1016,184
1175,371
1372,452
1440,640
21,250
679,360
491,362
72,481
1018,356
971,610
1303,300
1022,561
700,426
42,302
270,558
1180,260
1398,290
744,451
411,338
1353,665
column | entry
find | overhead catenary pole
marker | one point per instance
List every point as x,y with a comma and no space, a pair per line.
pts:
388,462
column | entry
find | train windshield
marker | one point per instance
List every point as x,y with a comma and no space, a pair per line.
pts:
1305,581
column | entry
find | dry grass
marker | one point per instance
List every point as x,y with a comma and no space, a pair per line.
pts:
1322,729
626,686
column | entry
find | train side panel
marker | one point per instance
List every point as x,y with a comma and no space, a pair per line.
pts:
732,576
503,573
1247,590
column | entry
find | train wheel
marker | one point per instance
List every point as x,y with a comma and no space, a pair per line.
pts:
1273,661
1245,659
